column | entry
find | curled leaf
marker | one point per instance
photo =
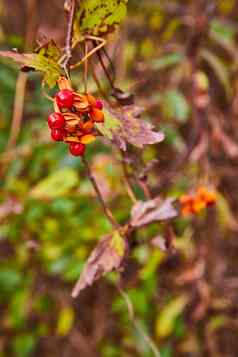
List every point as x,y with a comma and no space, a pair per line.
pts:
151,211
106,257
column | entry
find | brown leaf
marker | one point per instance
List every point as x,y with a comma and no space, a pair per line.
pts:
132,128
21,58
154,210
109,255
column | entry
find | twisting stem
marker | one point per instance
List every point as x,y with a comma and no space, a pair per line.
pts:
68,43
106,210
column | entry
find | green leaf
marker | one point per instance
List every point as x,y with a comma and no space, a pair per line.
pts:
9,279
167,317
166,61
110,126
45,60
23,346
97,17
222,29
175,106
60,183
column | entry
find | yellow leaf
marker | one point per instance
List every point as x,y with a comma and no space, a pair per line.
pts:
168,315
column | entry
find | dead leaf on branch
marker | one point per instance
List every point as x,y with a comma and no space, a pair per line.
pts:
124,125
44,60
144,213
108,256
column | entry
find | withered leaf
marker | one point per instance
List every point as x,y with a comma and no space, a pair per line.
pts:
131,128
151,211
108,256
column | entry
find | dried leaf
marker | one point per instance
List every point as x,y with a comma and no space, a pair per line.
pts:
154,210
129,128
106,257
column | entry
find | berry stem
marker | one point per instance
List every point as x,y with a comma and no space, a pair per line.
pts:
106,210
68,42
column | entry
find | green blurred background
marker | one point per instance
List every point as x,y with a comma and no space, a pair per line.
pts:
186,301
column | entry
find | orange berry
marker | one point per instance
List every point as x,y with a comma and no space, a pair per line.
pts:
186,211
88,127
211,198
185,199
97,115
198,205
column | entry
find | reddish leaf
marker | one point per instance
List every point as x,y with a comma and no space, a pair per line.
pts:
154,210
132,129
106,257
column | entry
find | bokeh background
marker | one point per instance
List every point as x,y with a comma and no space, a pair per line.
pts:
180,58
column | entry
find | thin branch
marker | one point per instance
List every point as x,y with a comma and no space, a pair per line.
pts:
86,69
145,188
110,63
137,324
110,80
127,180
97,81
69,36
106,210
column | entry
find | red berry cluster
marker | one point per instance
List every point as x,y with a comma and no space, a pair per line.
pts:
74,118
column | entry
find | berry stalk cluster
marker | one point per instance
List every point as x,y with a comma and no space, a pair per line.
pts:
74,118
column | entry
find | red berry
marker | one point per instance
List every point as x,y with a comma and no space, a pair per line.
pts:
56,121
99,104
57,134
65,98
77,149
